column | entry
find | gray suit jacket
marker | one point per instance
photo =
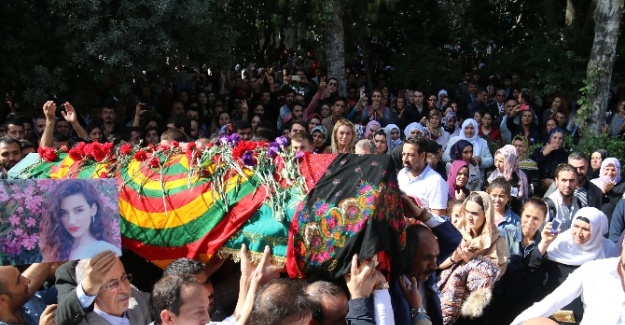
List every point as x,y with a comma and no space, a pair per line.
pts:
70,312
138,311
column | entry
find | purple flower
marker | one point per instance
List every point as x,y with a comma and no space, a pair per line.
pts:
273,149
282,141
30,222
223,140
299,154
234,139
14,220
248,158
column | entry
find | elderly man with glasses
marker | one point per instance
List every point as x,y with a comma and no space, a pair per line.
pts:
98,291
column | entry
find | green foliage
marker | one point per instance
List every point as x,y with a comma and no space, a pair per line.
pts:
613,145
95,47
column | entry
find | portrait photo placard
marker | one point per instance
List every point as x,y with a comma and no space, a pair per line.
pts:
50,220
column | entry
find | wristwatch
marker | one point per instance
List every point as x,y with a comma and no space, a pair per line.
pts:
416,311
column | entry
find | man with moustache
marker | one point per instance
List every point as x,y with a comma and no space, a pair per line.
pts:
417,179
563,201
18,302
98,291
427,245
589,194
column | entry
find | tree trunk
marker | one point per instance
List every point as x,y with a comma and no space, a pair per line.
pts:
335,47
599,72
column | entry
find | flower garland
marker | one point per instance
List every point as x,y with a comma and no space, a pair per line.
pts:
274,164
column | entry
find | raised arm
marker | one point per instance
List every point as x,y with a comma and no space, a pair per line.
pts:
69,114
47,138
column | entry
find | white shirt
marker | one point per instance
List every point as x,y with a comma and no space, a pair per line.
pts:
429,187
599,285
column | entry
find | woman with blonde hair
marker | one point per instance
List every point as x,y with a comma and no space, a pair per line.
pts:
343,137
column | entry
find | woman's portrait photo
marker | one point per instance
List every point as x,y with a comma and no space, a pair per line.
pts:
76,223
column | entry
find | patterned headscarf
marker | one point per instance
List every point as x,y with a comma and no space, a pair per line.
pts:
360,130
617,166
447,126
510,162
526,144
321,129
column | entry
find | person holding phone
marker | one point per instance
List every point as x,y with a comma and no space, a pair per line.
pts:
562,252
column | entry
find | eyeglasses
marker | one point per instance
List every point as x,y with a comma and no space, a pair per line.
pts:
113,285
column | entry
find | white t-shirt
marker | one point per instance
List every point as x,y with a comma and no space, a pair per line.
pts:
429,187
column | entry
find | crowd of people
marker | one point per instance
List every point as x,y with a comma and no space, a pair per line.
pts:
497,232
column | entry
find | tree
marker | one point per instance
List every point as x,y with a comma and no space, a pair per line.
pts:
602,57
96,48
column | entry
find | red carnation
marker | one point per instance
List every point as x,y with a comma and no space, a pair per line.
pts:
48,154
107,147
191,146
98,154
141,155
75,154
125,149
163,147
89,148
242,147
155,162
175,144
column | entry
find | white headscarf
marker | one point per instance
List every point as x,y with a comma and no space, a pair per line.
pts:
475,139
394,143
564,250
414,125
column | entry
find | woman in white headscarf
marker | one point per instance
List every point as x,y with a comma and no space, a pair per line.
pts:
395,133
481,154
559,254
415,130
610,183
